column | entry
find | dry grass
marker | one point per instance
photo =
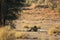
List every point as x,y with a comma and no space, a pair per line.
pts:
53,29
19,34
6,33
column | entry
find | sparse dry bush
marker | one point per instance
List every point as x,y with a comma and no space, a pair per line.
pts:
58,6
54,4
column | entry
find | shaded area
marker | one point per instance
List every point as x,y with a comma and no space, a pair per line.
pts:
9,10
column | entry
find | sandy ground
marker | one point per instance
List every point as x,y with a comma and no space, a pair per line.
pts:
43,18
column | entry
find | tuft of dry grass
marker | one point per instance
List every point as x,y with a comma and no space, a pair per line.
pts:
53,29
